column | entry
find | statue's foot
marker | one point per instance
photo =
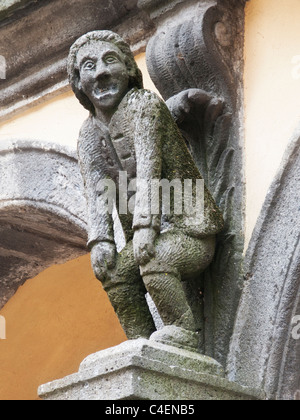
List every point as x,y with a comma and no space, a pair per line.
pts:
177,337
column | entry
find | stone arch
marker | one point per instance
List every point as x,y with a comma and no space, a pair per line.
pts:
42,211
264,354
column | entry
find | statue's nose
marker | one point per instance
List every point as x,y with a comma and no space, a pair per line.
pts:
102,72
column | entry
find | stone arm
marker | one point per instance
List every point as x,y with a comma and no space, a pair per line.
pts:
148,147
195,103
100,222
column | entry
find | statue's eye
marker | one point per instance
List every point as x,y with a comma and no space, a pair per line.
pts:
89,65
110,59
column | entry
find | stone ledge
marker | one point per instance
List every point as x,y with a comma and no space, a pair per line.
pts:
146,370
7,7
36,43
158,7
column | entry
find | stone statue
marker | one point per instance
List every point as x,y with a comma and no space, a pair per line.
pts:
131,130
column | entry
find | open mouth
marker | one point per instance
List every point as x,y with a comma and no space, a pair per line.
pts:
106,90
103,90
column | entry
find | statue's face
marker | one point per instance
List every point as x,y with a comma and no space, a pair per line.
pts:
103,73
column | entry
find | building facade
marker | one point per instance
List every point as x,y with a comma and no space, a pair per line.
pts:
246,54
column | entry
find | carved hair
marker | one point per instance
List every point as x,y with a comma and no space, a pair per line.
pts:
135,75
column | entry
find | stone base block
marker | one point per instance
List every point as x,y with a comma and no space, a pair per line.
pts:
146,370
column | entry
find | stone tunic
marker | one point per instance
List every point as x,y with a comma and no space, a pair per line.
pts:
143,140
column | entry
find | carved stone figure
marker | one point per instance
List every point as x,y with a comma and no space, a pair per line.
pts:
132,130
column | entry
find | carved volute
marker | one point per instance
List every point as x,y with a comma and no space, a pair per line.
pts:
199,44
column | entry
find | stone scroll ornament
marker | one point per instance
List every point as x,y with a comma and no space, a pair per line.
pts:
195,59
130,131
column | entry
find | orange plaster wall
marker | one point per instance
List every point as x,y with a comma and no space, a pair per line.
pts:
52,323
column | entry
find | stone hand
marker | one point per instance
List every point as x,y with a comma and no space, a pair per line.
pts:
143,245
184,102
103,256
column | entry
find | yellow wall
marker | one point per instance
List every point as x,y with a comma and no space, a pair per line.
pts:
272,93
52,323
56,121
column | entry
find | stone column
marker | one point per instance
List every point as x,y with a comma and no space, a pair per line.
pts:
265,348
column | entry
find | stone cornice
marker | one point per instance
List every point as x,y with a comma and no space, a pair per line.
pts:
36,36
158,8
9,7
35,42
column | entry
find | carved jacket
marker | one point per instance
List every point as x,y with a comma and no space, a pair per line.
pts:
143,140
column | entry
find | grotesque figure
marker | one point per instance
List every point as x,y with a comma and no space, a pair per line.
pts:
131,130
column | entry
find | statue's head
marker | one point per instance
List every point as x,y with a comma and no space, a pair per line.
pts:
102,70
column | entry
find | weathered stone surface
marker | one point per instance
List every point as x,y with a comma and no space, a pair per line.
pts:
131,131
7,7
158,8
199,44
35,41
264,352
42,211
146,370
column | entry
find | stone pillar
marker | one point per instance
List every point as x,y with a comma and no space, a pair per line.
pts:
265,347
147,370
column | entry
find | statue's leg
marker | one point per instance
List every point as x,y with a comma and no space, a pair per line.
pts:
169,297
178,257
126,293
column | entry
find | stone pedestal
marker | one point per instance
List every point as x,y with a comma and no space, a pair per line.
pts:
146,370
